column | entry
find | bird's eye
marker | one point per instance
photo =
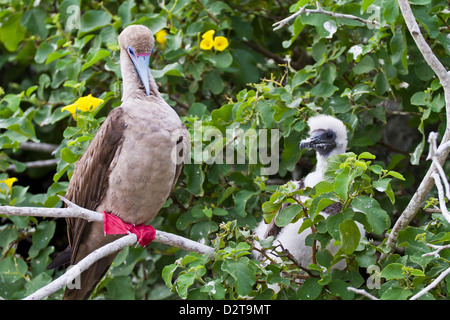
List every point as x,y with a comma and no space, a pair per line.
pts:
329,135
130,50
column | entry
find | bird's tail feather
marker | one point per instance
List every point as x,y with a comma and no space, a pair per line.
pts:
82,288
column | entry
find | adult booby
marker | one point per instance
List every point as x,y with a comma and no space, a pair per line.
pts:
328,136
129,168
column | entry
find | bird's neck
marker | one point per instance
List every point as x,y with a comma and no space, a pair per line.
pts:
131,82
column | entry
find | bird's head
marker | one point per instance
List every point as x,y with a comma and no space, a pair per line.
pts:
138,42
328,136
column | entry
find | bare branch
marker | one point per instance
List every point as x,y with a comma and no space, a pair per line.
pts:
52,212
39,147
427,183
441,197
438,249
362,292
75,211
36,164
282,23
81,266
431,285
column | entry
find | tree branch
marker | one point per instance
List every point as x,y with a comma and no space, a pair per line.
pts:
81,266
362,292
282,23
35,164
427,183
431,285
74,211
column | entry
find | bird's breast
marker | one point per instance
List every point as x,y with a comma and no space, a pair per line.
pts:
143,170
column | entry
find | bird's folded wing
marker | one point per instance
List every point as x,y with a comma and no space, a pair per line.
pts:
89,181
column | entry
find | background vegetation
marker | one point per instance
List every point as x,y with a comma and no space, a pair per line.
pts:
372,78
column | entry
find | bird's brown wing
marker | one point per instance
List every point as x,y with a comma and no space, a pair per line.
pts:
89,181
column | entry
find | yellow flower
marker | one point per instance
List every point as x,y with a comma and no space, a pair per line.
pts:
9,182
84,104
207,44
220,43
161,37
209,34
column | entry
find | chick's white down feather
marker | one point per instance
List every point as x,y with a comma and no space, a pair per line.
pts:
288,236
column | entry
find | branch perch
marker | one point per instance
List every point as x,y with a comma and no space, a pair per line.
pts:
74,211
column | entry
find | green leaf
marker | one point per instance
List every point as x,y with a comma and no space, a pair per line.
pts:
215,288
302,76
342,183
37,283
242,273
41,237
240,200
12,269
11,32
399,50
396,175
221,60
366,155
92,59
364,66
68,156
124,12
376,216
21,125
213,82
396,293
94,19
350,236
393,271
324,258
43,51
34,21
167,274
120,288
323,90
183,283
173,69
287,214
366,4
310,289
195,178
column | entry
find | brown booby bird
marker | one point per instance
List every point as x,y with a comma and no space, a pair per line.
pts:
328,137
129,169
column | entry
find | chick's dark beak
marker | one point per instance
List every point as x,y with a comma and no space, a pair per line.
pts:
321,140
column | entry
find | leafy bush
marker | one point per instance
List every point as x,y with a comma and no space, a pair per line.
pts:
263,86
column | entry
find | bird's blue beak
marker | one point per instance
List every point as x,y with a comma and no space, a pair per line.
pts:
141,63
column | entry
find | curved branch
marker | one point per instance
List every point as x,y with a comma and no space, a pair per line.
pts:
74,211
81,266
427,183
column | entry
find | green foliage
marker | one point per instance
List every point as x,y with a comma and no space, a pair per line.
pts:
373,79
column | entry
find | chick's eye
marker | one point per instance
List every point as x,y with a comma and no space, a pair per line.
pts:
329,135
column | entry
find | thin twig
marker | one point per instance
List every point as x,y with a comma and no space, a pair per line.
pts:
441,197
431,285
282,23
438,249
39,147
362,292
35,164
